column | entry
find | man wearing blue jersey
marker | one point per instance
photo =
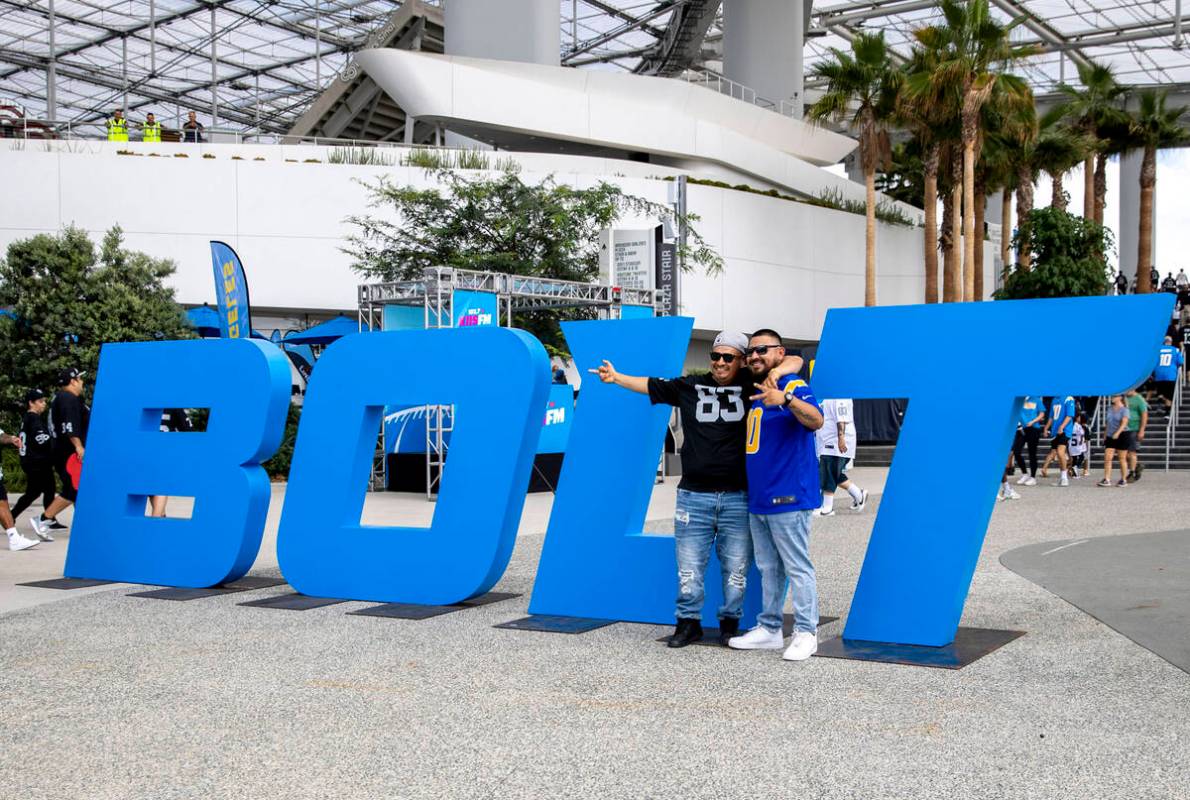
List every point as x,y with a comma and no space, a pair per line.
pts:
1165,374
783,491
1061,422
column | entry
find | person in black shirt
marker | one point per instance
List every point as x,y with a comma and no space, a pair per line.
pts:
37,460
69,417
712,504
15,540
173,420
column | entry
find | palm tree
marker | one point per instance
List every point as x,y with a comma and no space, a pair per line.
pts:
1152,127
1058,150
931,123
972,50
1092,110
861,89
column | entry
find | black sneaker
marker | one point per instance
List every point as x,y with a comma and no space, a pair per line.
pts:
728,627
687,632
1140,468
54,525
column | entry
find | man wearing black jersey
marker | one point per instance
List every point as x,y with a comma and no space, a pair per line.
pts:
69,417
37,460
712,504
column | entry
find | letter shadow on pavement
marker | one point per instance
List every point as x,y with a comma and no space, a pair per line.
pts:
1137,584
248,583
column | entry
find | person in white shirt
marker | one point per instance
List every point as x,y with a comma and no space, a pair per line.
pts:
1078,448
836,447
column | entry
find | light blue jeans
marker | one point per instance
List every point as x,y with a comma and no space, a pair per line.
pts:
781,543
700,520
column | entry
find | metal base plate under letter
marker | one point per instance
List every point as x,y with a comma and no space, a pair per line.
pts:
969,645
65,583
547,623
293,602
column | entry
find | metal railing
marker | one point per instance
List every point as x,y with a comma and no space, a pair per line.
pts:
1171,424
66,130
722,85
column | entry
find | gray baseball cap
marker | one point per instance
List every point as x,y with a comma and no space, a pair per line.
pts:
736,341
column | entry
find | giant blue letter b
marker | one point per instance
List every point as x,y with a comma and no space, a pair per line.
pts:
245,384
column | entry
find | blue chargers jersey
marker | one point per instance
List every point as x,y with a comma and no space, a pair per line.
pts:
1062,415
782,464
1030,408
1169,358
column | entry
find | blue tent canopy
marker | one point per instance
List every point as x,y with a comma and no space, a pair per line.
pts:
326,332
204,319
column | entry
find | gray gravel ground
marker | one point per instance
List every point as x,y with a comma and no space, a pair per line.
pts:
109,696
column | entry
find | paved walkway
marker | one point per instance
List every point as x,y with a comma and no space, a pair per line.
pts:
109,696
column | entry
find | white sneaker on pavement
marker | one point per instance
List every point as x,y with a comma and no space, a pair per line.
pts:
757,639
804,645
1012,494
1021,480
41,529
863,501
1063,481
1031,481
18,542
822,512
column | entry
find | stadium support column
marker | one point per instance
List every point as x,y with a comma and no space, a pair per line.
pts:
1129,227
51,72
762,48
510,30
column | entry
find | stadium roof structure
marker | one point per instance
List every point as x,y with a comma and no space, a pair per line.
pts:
259,64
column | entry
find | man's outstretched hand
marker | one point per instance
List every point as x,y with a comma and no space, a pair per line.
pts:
607,373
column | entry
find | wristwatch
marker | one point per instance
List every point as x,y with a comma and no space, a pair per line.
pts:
789,395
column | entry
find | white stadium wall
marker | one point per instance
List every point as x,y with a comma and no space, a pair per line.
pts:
786,263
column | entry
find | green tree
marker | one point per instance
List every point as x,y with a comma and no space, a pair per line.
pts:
1152,127
66,301
971,52
861,90
500,223
1067,257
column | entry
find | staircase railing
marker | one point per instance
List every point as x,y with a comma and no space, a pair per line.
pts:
1171,424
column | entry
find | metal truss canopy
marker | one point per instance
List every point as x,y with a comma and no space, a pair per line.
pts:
261,64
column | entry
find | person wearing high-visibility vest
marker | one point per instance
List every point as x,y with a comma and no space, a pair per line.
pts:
151,130
117,127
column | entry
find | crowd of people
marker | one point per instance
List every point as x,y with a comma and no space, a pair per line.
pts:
1062,420
761,456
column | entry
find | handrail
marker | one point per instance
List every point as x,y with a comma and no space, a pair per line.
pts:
1171,425
724,85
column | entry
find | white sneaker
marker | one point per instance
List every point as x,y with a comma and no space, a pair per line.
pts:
18,542
1031,481
1021,480
41,529
803,646
757,639
822,512
1012,494
1063,481
863,501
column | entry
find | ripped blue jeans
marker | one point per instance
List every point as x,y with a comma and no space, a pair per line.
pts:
700,520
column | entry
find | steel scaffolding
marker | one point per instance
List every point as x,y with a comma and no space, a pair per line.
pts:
434,292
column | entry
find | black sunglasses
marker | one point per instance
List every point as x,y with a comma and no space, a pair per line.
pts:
760,349
726,357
